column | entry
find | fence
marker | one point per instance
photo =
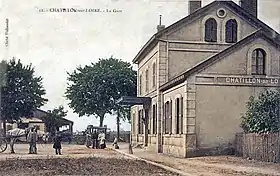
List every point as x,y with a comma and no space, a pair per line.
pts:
124,136
262,147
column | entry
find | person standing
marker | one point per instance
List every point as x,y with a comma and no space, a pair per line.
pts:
88,140
32,138
57,144
94,139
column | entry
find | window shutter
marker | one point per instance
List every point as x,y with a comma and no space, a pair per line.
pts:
214,31
179,118
142,121
228,32
234,31
176,116
207,32
182,115
156,119
170,119
165,117
254,62
139,122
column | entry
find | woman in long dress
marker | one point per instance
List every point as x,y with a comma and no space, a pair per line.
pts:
88,140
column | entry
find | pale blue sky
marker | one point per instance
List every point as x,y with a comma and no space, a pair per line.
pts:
58,42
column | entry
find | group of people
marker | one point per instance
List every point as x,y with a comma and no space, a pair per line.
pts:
32,139
95,140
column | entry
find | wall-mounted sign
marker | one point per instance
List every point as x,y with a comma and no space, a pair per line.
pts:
235,80
243,80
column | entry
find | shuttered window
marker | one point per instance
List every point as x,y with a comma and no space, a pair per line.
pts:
168,117
179,115
258,62
231,31
140,122
211,30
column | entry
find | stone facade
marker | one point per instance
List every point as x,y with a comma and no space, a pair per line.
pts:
199,89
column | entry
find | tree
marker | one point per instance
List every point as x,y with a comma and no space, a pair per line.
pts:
94,89
54,119
262,115
22,92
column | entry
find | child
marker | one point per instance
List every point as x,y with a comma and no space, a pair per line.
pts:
57,144
115,143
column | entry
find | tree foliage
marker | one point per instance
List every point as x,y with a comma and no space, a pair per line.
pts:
54,119
94,89
262,114
21,90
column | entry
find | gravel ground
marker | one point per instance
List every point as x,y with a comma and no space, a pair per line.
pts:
80,166
210,165
76,160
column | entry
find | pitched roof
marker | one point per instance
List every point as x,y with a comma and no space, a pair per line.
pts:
232,5
206,63
66,121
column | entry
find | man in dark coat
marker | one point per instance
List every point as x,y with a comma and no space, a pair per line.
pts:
57,144
94,140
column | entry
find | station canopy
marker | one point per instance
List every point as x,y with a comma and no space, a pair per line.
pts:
130,101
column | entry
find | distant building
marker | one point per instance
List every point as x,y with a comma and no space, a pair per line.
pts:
196,75
37,121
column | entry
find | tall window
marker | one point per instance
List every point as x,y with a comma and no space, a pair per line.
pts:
231,31
258,61
211,30
154,119
140,122
177,115
168,117
133,123
182,116
154,75
140,84
150,125
147,80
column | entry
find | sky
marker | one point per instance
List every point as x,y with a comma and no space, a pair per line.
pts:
57,42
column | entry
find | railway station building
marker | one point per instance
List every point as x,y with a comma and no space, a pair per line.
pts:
196,75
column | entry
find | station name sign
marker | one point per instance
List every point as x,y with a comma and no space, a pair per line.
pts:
250,80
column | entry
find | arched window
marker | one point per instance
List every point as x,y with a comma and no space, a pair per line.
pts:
168,117
231,31
179,115
258,61
211,30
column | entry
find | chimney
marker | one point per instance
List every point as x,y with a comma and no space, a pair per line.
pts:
160,27
250,6
194,5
